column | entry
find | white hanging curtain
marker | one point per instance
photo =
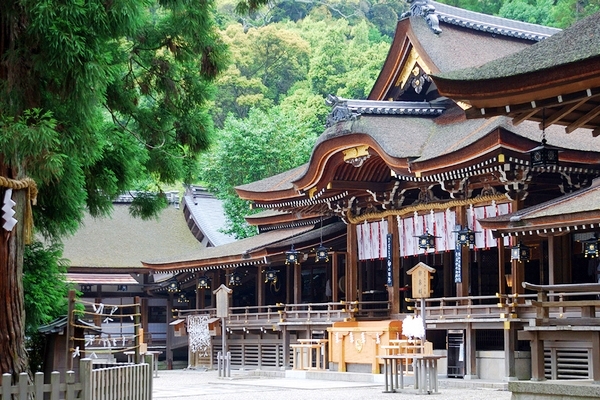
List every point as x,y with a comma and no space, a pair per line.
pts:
371,238
484,238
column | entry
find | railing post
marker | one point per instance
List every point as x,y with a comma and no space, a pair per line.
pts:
6,386
39,385
70,386
228,363
219,363
149,359
23,380
85,378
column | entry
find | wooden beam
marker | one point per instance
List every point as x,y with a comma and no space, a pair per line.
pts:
524,116
583,120
560,114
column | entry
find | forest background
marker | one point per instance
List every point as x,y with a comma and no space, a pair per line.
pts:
286,58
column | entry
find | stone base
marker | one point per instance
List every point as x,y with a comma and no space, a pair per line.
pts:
554,390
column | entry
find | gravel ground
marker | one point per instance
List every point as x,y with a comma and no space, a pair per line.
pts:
206,385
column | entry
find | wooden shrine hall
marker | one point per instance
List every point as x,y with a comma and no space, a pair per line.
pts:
399,179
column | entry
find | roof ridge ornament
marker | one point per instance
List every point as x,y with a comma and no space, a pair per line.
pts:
422,8
340,111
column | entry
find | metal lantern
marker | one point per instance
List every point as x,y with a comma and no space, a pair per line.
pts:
544,155
271,275
203,282
173,286
466,237
322,254
590,247
182,298
426,241
520,252
292,256
235,279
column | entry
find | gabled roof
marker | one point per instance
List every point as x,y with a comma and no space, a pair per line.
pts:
575,211
120,242
205,214
465,39
556,80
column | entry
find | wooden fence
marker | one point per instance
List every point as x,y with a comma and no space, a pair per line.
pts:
127,381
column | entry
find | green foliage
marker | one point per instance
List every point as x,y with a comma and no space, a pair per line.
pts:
98,95
522,10
266,63
250,149
44,284
557,13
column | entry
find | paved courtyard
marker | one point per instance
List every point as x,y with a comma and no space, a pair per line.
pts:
206,385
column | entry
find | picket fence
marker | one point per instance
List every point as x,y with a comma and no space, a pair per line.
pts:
128,381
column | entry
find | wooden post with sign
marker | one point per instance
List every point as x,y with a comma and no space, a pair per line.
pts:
222,299
421,284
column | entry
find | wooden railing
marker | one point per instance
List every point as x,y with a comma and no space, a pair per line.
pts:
129,381
561,302
474,307
257,316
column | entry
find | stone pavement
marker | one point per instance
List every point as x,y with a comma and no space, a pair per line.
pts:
206,385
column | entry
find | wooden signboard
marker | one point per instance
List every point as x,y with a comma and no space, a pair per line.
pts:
421,280
222,294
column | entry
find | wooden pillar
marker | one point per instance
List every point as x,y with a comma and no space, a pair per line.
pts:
501,262
470,353
394,290
510,344
448,273
169,349
334,277
297,283
285,333
199,294
595,357
260,287
551,260
289,284
351,263
537,357
144,316
462,288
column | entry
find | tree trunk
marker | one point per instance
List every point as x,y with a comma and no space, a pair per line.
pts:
13,356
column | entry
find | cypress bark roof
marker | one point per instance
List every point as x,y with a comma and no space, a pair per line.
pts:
580,42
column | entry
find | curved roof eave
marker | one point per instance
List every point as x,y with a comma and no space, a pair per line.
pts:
280,185
248,251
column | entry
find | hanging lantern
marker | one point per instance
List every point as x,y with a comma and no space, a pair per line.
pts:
235,279
292,256
182,298
466,237
426,241
322,254
544,155
203,282
590,247
520,252
173,286
271,275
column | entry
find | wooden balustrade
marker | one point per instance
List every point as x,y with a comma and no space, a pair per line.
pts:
130,381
